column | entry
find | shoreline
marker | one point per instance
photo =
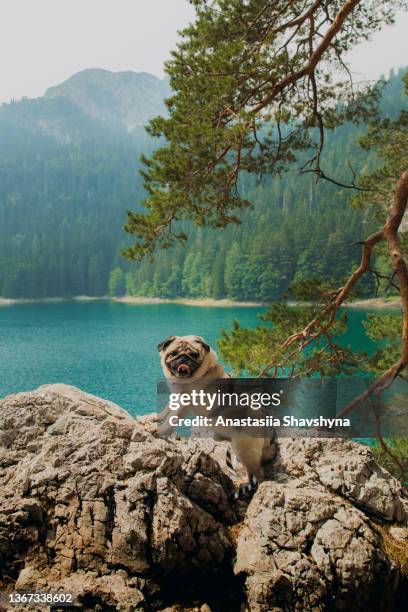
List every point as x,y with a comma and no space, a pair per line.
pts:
201,302
135,300
51,300
380,303
370,303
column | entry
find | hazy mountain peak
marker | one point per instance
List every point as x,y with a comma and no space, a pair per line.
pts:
127,98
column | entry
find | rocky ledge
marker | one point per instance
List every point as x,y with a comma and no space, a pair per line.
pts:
92,503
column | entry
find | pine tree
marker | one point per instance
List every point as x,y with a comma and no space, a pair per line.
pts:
117,283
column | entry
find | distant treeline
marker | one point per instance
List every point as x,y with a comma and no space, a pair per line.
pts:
62,210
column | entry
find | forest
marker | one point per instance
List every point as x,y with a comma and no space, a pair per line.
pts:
63,202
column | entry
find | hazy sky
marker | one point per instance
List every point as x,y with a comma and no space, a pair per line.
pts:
43,42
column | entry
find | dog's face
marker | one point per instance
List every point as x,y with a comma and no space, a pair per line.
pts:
185,357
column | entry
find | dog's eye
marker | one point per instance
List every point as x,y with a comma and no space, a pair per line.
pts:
194,355
172,354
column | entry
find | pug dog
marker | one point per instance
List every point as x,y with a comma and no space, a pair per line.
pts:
188,363
189,358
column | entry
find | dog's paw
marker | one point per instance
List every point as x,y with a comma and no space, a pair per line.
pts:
246,491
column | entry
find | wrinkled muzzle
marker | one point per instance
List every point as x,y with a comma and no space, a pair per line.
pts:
183,366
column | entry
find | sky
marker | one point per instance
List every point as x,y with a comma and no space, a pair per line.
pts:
43,42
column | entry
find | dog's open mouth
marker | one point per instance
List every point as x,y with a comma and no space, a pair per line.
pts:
184,369
183,366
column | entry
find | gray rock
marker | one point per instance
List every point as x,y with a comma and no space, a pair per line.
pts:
301,546
346,468
91,502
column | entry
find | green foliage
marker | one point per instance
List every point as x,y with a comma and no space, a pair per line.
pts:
389,138
265,350
117,283
224,69
252,94
62,204
384,329
399,448
294,228
61,215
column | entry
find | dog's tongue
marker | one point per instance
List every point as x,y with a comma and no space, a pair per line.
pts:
183,367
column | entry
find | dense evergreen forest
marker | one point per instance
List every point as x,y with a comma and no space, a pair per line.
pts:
66,180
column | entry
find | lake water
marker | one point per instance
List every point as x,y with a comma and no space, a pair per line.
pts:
108,348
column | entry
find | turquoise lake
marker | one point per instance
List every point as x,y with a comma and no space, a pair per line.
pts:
109,349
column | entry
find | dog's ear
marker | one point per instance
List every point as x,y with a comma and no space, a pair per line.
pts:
165,343
203,344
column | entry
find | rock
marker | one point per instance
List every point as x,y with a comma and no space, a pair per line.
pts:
91,502
348,469
399,533
149,422
301,546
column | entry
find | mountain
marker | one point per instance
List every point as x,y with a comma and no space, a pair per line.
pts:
69,166
69,170
92,103
126,99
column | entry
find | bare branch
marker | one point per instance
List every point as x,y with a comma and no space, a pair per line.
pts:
390,233
347,8
319,326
